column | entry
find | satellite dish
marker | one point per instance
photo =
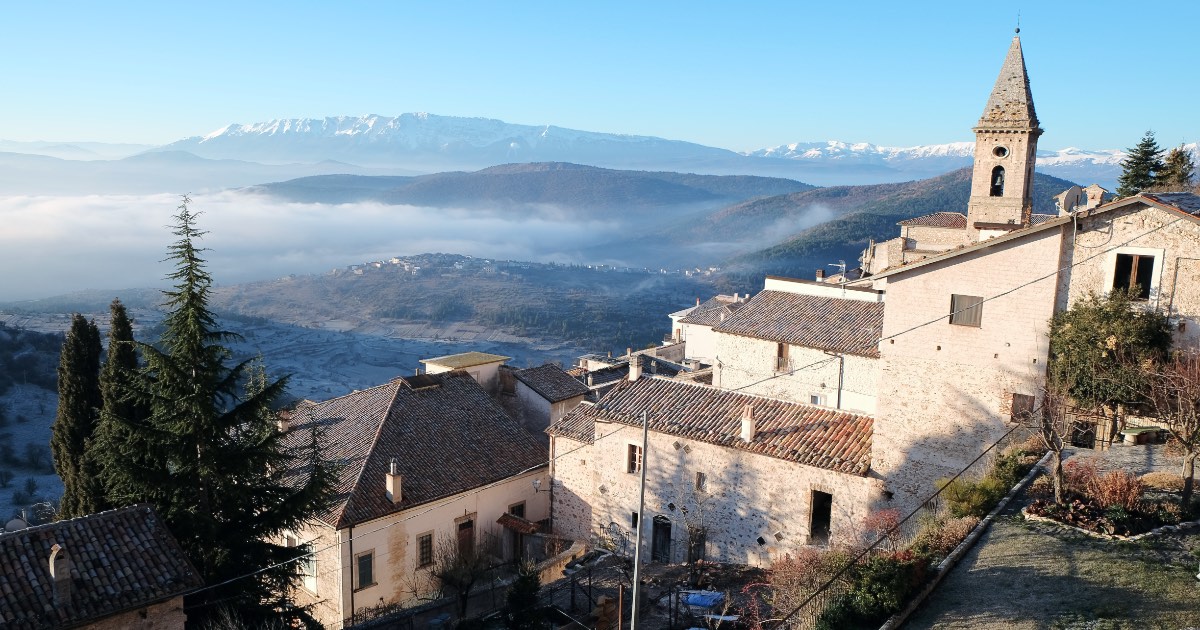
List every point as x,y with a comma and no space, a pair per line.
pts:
16,524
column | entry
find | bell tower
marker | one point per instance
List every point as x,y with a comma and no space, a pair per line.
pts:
1005,150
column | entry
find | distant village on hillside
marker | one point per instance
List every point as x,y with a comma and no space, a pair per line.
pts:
777,460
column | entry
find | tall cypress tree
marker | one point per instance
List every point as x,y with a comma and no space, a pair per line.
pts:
1141,167
75,422
1179,171
124,413
213,463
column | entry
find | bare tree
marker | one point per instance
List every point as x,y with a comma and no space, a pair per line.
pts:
1053,424
1174,397
460,564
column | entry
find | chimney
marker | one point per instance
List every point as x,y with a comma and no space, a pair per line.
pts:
748,423
394,493
417,372
590,379
283,420
60,572
820,275
635,368
629,352
697,301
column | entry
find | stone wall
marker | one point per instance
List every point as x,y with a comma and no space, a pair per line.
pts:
748,365
945,389
571,514
745,498
928,238
166,615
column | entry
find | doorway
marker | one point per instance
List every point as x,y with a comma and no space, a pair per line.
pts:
660,540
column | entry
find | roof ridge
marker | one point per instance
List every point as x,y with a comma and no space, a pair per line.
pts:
353,491
735,392
94,516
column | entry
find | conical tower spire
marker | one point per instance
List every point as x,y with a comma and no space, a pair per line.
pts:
1011,103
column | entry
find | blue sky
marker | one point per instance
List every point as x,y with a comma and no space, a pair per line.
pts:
737,75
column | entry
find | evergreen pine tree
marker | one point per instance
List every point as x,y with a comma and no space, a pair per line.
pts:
75,422
214,466
1179,171
124,413
1141,167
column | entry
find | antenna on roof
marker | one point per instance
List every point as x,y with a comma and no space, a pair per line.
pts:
841,267
1018,29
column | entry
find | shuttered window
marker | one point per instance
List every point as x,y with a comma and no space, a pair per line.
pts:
966,310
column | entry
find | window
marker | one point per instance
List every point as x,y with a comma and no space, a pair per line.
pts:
997,182
822,511
781,357
966,310
425,549
364,570
816,399
634,465
517,509
1134,272
633,520
308,570
1022,406
701,482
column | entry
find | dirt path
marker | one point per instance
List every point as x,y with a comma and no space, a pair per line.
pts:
1032,575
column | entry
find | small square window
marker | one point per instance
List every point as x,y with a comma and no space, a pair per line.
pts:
364,570
1134,273
966,310
425,549
701,482
633,520
816,399
517,509
634,464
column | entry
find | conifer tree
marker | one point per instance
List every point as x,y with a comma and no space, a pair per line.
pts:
75,422
214,465
1141,167
123,410
1179,171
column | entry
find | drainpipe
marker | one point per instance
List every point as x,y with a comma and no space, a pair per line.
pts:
351,541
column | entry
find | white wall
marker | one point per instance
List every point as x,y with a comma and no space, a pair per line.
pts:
747,364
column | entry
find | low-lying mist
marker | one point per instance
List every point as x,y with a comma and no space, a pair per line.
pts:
50,245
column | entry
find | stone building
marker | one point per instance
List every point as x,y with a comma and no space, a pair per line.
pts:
803,341
428,465
694,325
546,393
731,477
483,367
108,571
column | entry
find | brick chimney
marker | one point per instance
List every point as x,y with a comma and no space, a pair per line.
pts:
394,493
820,275
60,572
283,420
748,423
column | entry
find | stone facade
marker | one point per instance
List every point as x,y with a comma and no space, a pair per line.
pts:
745,497
842,381
946,389
166,615
573,482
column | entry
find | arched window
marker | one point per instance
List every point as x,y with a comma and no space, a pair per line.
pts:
998,181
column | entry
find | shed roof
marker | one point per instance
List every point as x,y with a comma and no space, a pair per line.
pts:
465,360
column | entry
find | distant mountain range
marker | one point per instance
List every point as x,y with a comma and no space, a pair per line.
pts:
410,144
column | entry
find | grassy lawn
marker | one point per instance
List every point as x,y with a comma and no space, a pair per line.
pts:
1032,575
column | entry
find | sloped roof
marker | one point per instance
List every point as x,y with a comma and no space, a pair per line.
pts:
956,220
1010,105
710,312
1185,204
120,559
1038,219
466,360
447,435
824,323
804,434
551,382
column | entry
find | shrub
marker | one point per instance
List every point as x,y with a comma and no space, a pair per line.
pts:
884,523
1042,488
31,485
967,498
37,456
793,578
936,539
1011,468
1117,488
20,497
1079,475
1163,481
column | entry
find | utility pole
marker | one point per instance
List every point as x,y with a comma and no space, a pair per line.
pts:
637,545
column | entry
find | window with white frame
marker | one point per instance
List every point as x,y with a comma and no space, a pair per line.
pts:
634,461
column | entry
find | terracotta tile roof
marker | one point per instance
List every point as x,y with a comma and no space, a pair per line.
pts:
447,435
805,434
710,312
120,559
518,524
824,323
1185,202
551,382
955,220
465,360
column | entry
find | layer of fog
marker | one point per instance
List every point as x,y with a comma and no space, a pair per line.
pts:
50,245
